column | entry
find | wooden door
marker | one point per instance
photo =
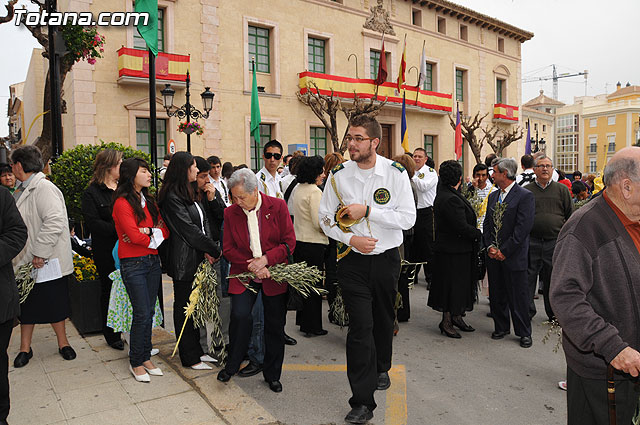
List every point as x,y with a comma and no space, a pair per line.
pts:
384,148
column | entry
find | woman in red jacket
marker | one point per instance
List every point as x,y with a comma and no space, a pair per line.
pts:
140,231
257,231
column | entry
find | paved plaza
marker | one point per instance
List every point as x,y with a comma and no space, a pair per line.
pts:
435,380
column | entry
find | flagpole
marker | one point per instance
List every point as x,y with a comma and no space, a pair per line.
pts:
256,142
153,143
420,73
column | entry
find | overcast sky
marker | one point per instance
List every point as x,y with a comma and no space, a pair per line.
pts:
575,35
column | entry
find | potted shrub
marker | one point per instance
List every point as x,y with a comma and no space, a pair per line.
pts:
84,296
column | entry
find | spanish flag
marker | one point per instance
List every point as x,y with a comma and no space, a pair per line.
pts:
403,127
403,65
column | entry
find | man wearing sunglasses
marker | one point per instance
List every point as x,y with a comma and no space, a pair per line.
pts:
269,181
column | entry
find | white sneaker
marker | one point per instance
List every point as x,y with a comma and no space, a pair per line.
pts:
154,351
201,366
207,358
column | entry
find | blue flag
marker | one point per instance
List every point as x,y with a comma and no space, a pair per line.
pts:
527,146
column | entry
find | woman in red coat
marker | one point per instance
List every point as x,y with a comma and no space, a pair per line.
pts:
140,231
256,229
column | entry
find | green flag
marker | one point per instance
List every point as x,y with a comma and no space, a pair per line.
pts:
255,109
149,32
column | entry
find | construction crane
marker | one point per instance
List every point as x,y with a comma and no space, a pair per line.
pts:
557,76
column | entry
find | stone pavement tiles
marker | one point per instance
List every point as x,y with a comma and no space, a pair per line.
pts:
97,388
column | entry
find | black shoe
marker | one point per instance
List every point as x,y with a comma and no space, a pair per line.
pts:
453,334
359,415
526,342
540,291
223,376
67,352
459,323
289,341
250,370
489,314
23,358
316,333
499,335
383,381
275,386
117,345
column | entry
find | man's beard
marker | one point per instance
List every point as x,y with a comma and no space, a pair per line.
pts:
364,156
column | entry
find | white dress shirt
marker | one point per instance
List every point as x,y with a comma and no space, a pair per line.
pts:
221,186
270,185
386,190
426,181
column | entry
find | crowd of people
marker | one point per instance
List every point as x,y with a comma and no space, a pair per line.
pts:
371,224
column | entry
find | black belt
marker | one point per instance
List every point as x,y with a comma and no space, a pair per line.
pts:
425,209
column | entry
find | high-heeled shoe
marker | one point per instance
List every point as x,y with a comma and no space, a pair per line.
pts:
460,324
201,366
140,378
444,331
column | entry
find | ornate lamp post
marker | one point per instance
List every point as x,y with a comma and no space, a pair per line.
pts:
187,110
539,144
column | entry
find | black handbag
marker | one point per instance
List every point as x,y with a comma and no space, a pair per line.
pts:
294,299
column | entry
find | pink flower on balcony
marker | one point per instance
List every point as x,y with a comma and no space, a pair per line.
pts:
91,61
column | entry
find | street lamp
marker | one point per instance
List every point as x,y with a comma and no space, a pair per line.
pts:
539,144
187,110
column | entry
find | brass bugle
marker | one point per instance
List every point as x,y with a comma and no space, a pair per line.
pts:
344,221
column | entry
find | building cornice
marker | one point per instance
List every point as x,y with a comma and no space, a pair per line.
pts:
472,17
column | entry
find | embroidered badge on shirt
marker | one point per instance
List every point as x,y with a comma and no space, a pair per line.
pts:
381,196
420,175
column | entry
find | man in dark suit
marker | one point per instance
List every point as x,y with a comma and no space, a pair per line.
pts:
508,252
13,236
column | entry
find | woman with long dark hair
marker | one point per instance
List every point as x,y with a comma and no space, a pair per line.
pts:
97,206
190,244
140,230
455,252
311,242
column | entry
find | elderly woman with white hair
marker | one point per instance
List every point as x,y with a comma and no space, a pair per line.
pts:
258,233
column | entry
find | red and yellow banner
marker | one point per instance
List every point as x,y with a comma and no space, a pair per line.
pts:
135,63
505,112
365,88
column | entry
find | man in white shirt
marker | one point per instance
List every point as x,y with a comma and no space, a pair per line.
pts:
269,181
527,176
215,178
426,181
377,194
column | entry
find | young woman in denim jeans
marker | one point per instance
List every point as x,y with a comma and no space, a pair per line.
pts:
140,231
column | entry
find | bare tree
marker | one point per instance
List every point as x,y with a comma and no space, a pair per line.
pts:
66,62
326,107
499,139
469,126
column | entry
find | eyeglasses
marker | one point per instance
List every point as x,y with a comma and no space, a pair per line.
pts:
276,156
357,138
544,166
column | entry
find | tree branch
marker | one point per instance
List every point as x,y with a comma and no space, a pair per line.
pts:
10,12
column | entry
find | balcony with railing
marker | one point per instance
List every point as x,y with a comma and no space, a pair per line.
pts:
133,67
506,114
364,88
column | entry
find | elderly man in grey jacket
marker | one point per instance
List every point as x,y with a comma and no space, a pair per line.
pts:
13,236
595,293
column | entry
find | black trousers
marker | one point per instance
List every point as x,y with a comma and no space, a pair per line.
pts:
5,336
189,347
509,293
311,314
540,263
275,313
587,402
105,293
423,240
368,285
